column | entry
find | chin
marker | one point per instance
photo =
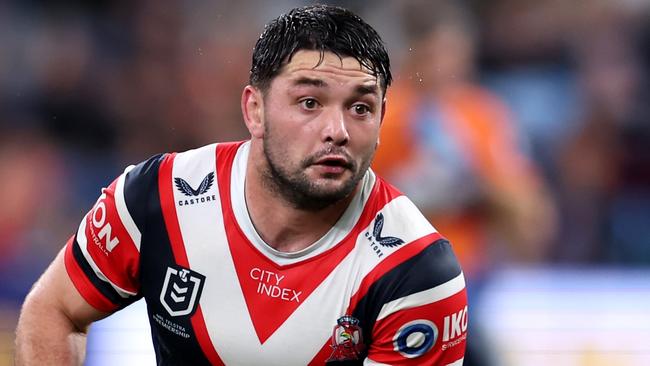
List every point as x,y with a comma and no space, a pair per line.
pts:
328,185
339,189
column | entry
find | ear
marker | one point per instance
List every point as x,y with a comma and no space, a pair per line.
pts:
252,107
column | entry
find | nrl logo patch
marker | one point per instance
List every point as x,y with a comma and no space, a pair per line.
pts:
181,291
347,340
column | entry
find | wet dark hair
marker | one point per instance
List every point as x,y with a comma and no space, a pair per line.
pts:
318,27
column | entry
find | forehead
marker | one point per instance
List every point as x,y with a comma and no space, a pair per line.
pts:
305,62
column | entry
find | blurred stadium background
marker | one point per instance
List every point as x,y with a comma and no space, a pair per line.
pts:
520,127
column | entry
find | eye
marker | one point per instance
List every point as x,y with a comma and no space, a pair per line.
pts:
309,103
361,109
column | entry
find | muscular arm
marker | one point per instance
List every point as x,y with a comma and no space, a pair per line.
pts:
54,321
57,312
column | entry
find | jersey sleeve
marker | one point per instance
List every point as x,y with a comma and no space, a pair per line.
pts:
102,259
421,311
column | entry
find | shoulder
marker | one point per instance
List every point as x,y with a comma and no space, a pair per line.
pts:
138,181
219,148
144,172
433,273
404,234
413,257
221,153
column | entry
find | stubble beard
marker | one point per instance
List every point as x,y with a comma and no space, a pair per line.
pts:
295,186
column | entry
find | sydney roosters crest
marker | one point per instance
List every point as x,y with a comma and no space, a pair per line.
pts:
347,340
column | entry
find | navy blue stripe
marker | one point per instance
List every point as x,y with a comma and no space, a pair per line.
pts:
433,266
137,184
156,256
102,286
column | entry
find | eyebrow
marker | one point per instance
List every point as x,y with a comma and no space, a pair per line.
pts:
367,89
309,82
361,89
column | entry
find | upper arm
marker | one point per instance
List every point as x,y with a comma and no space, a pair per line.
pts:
96,274
53,320
422,317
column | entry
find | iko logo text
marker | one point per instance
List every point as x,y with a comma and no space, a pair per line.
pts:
455,325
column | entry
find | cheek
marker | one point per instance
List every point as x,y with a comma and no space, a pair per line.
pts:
284,123
292,135
367,137
280,141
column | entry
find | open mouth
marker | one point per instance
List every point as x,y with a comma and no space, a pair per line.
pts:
334,162
333,165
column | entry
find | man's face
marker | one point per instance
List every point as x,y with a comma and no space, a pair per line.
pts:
321,128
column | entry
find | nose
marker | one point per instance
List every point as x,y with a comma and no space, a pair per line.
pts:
335,129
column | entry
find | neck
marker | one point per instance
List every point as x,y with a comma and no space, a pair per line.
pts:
281,225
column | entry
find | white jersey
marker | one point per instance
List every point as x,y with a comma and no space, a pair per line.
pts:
381,287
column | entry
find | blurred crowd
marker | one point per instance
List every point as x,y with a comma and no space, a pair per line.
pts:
520,127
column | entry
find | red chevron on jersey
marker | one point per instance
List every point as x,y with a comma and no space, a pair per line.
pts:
270,288
319,282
